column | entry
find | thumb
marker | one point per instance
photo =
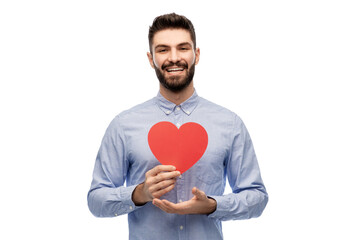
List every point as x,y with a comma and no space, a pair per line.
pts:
199,194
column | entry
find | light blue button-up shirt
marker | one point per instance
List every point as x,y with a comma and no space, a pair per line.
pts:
125,156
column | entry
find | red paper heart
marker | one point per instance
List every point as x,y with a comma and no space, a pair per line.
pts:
181,147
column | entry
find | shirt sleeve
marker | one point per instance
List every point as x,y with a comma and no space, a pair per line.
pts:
249,197
108,197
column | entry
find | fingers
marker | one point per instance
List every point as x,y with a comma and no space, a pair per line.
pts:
161,188
199,204
199,194
165,176
160,168
160,180
161,173
167,206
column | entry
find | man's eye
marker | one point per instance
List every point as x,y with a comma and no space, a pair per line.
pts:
162,50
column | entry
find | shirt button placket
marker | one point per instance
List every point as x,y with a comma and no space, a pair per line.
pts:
180,198
182,228
178,113
178,116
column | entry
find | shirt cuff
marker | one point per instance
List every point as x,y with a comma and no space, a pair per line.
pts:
127,205
222,207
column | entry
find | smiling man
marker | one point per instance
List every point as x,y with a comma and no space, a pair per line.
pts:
174,61
162,203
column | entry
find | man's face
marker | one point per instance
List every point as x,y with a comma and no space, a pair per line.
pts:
174,58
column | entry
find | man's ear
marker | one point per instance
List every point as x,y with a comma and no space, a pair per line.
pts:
151,60
197,55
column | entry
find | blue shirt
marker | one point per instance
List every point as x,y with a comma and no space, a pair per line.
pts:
125,157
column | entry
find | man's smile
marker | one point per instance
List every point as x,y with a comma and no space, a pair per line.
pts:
174,69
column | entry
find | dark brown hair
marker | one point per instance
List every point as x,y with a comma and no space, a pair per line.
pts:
171,20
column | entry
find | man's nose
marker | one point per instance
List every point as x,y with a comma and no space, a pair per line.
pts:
174,56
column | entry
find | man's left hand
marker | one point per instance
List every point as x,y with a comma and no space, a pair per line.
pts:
199,204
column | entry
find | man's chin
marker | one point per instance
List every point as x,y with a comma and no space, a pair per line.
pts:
175,88
175,83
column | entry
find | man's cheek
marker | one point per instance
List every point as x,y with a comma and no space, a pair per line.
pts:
156,63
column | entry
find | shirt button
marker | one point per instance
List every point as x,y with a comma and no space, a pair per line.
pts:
180,200
131,207
181,227
168,112
187,112
180,176
177,108
115,214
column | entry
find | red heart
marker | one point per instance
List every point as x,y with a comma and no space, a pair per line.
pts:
181,147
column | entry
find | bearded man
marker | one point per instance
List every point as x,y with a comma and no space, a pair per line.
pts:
163,201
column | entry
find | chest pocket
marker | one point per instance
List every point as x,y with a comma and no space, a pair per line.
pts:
210,168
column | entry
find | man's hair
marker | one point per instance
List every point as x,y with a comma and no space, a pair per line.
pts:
171,21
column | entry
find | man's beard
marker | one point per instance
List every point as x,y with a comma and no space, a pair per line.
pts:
176,83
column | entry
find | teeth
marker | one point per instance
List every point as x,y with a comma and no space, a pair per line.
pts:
174,69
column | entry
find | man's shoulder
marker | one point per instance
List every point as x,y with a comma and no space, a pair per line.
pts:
212,107
137,110
219,114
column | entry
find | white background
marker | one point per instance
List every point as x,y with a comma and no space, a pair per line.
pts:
288,68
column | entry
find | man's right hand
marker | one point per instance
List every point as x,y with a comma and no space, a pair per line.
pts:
158,181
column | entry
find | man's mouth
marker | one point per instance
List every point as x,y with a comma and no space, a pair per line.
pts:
174,69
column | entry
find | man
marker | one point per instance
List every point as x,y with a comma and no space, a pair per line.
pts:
162,203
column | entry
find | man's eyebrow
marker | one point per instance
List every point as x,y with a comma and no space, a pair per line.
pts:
184,43
161,46
166,46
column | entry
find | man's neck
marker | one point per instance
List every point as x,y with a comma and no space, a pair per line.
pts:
177,97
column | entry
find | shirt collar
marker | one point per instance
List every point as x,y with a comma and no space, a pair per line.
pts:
168,107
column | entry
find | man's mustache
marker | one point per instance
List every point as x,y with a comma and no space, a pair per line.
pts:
178,64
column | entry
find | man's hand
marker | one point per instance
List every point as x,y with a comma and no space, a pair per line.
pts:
158,181
199,204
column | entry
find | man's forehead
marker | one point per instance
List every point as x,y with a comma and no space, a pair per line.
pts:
172,36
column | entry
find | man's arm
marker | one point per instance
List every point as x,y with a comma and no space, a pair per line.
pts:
108,197
249,197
